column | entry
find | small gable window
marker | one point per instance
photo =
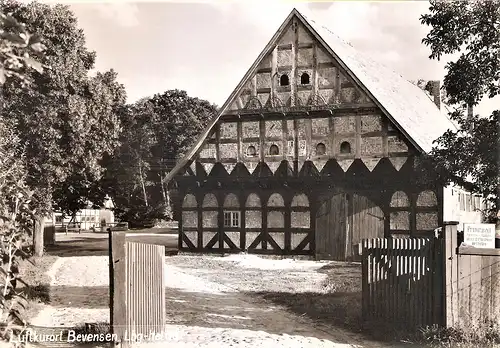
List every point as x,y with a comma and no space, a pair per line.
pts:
284,80
304,79
345,147
320,149
251,152
274,150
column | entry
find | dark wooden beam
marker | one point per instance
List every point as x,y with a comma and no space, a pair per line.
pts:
327,65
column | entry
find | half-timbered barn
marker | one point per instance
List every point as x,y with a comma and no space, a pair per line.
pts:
313,151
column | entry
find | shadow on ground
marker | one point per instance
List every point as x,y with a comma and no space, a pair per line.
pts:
335,304
79,246
228,311
39,293
96,244
219,310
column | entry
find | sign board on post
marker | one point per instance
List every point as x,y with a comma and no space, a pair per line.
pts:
480,235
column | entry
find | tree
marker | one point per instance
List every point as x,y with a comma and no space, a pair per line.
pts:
469,156
178,120
17,46
17,49
67,120
156,132
105,100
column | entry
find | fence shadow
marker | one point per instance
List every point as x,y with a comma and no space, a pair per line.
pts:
335,309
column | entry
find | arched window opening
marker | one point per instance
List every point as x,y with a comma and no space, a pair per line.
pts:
189,201
427,199
210,201
251,151
300,200
320,149
253,201
231,201
300,215
304,79
253,213
275,200
345,147
284,80
399,199
274,150
232,214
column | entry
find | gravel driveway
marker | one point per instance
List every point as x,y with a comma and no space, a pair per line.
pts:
202,310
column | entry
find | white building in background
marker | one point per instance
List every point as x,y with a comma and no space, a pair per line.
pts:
462,206
88,218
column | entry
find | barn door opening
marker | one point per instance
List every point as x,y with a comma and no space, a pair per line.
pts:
331,228
366,221
342,222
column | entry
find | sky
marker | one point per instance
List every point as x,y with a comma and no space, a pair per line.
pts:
206,47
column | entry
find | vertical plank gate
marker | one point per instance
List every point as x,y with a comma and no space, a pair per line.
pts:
342,222
137,289
402,281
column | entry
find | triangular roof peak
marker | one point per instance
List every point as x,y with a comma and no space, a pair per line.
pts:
404,103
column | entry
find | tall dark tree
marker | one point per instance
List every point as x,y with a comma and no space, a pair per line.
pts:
157,131
469,156
178,120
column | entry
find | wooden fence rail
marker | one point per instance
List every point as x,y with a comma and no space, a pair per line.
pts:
137,289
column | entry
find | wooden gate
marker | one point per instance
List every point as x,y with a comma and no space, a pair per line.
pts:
342,222
402,281
137,289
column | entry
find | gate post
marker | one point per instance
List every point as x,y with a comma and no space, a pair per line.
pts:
449,275
117,288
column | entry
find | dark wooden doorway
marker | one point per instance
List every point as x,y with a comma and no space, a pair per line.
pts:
342,222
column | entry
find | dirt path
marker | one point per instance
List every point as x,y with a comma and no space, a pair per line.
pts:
214,313
200,312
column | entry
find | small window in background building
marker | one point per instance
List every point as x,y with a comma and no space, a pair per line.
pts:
274,150
232,219
291,147
320,149
304,79
284,80
251,151
345,147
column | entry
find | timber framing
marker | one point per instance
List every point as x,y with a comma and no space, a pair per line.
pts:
313,151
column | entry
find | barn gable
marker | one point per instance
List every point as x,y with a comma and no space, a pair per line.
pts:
297,71
333,74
